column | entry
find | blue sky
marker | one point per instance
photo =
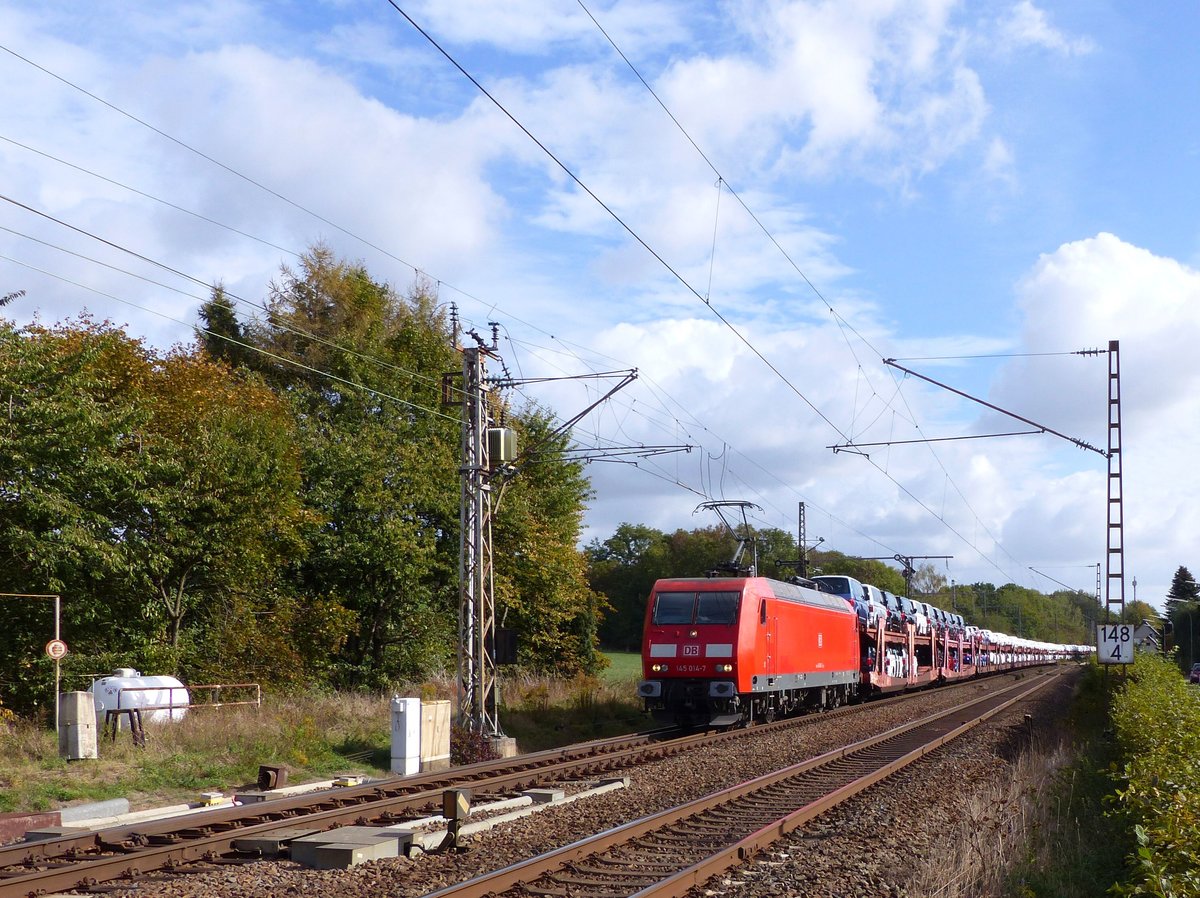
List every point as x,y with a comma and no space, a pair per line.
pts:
946,178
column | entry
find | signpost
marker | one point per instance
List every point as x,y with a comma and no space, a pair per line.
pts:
1114,643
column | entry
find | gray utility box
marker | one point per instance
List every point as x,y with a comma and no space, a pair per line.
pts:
77,726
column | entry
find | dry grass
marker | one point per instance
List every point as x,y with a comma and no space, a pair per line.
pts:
1041,832
315,735
994,824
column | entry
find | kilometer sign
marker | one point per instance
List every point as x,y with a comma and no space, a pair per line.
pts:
1114,643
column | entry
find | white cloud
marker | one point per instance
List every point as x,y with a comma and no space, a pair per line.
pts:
1028,26
532,26
805,107
999,162
1079,297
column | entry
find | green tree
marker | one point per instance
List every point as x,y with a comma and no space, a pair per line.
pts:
542,588
693,553
69,453
1183,611
140,488
1138,611
70,450
623,568
379,459
777,553
927,580
1183,594
381,477
221,335
220,506
865,570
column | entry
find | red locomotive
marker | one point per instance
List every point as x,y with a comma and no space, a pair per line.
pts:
718,651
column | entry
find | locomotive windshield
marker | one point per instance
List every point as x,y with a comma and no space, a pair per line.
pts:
695,607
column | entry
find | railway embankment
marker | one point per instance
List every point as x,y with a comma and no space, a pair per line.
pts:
1019,806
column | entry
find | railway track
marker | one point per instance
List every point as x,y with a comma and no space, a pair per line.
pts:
667,854
205,840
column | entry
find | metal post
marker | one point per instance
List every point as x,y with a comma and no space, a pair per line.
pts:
477,700
57,665
1115,588
803,544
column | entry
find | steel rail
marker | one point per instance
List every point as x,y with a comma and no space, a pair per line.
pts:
615,747
586,856
616,750
133,850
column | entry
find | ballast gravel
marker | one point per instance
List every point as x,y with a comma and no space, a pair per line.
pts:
871,846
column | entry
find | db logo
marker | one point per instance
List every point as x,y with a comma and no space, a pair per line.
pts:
691,650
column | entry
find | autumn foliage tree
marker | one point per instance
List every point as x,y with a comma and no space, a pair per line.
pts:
144,489
362,368
278,502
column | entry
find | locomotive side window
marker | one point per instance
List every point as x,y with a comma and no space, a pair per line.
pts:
695,607
762,611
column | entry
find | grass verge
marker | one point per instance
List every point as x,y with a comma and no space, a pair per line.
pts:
314,735
1042,831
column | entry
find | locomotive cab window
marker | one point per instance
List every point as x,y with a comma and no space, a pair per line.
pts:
695,607
716,607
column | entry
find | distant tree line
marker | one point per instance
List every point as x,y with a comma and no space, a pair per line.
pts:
240,509
624,567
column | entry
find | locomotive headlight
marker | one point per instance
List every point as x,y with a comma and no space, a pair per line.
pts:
724,668
693,633
659,668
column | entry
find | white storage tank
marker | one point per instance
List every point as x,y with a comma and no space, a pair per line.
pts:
160,698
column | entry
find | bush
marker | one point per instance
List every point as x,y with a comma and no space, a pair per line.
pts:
469,746
1156,717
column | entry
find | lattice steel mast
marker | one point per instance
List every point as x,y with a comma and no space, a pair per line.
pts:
477,699
1115,604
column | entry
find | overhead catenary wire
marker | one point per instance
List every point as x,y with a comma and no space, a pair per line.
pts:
782,377
149,196
275,322
231,295
199,282
617,218
249,346
177,141
842,323
214,161
440,283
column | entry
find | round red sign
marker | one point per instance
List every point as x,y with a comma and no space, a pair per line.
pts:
56,648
